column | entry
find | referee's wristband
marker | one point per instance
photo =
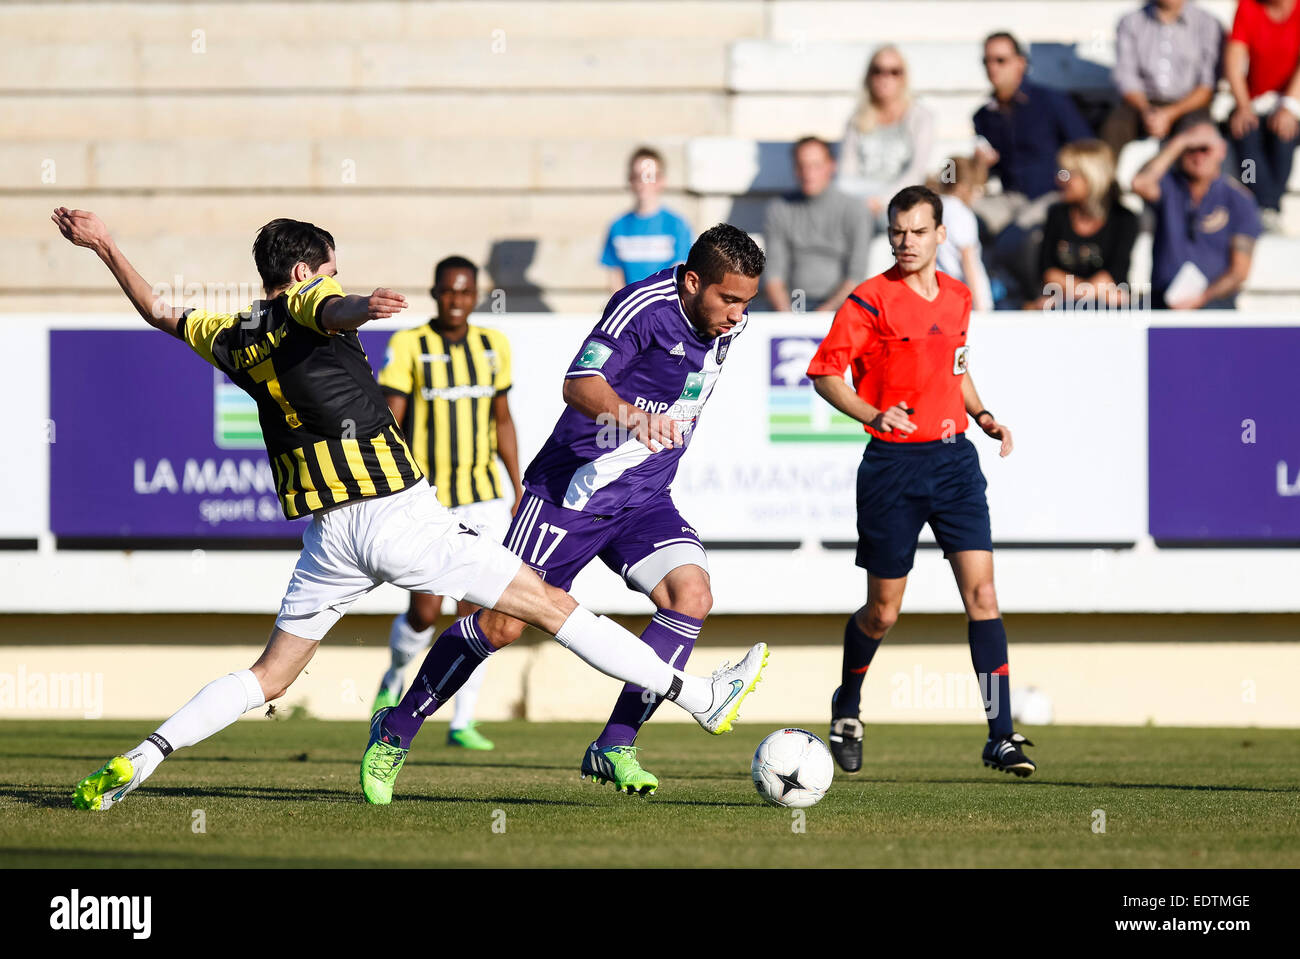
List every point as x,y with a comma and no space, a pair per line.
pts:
983,413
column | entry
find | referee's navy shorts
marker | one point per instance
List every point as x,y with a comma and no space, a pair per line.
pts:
903,486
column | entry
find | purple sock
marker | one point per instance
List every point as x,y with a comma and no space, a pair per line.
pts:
671,635
450,661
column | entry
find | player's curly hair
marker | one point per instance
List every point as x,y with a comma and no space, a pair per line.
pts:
724,249
282,243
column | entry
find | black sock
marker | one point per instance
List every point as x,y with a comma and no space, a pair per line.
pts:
988,652
859,648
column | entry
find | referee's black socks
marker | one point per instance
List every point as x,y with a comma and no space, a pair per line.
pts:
988,652
858,650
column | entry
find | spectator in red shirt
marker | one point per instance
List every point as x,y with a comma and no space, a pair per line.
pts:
1260,65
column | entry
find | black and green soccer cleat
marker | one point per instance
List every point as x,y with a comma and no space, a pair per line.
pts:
618,765
381,763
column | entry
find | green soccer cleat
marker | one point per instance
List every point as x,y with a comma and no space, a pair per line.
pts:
381,763
469,738
385,698
618,765
106,785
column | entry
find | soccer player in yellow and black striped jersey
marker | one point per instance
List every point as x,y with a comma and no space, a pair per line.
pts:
447,382
374,519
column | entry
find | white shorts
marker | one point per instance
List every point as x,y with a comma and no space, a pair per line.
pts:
490,517
408,539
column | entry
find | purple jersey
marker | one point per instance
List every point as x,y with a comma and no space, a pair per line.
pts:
648,351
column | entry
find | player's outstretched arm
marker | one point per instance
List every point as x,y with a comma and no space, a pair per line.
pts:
988,423
83,228
592,396
350,312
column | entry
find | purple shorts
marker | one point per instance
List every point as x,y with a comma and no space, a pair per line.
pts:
643,544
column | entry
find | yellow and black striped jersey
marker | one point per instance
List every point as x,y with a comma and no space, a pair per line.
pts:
449,421
328,431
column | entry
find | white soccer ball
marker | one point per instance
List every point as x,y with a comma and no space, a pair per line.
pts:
792,768
1031,706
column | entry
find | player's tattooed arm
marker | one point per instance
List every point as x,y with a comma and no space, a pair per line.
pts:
840,395
83,228
350,312
988,423
593,397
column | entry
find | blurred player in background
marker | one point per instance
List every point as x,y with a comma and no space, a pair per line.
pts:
446,383
599,486
903,335
338,456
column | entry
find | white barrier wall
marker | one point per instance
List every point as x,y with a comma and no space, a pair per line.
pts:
1073,390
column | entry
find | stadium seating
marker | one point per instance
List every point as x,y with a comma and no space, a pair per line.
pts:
209,118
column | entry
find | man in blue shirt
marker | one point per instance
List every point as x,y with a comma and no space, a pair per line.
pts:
1020,129
1203,220
650,237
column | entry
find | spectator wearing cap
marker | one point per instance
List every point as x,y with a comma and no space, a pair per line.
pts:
1206,223
649,237
1166,68
816,239
1088,237
888,139
1260,65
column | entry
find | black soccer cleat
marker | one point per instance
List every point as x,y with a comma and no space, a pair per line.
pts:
1005,754
845,740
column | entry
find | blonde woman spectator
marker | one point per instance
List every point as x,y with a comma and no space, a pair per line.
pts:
960,255
1088,237
888,139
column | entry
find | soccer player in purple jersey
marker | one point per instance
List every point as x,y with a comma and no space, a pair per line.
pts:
599,487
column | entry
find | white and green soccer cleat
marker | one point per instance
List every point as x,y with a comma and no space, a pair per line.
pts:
106,785
618,765
381,763
731,684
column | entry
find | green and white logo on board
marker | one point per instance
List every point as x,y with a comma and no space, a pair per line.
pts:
594,355
234,416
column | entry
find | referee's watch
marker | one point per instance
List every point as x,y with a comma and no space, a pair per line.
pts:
983,413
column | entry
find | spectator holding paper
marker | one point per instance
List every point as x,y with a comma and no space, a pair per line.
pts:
1206,223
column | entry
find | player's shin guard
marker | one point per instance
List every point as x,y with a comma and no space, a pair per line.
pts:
859,649
213,708
450,662
988,653
672,636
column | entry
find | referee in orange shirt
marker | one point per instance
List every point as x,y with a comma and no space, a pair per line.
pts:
903,334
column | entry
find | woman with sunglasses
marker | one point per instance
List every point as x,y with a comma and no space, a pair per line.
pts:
1088,236
888,139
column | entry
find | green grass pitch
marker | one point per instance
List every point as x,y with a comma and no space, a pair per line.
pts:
284,793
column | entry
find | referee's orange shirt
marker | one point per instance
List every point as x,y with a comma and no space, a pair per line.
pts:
904,349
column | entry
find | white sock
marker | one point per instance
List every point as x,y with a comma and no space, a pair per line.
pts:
603,644
405,644
467,698
213,708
